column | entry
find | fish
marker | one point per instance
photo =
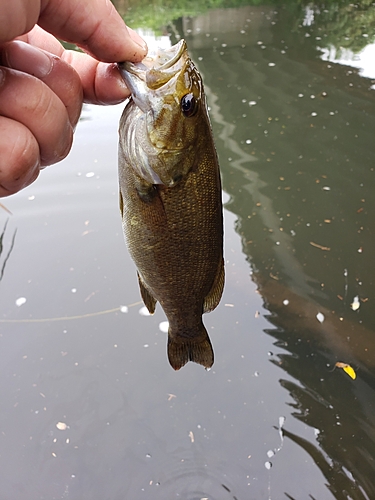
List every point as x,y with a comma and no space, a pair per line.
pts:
170,197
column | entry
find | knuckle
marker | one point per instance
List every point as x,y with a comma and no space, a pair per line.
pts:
19,163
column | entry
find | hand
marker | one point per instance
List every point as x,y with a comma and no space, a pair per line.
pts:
42,85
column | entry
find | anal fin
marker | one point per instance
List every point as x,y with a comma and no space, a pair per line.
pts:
213,298
148,299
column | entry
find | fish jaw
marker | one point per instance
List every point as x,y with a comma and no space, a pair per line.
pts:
155,71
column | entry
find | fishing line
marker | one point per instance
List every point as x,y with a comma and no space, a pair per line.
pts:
68,318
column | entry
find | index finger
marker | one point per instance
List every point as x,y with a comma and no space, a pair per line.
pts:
95,26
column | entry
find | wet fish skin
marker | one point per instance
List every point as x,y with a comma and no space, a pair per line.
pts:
170,200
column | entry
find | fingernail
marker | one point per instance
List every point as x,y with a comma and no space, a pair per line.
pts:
24,57
138,39
142,44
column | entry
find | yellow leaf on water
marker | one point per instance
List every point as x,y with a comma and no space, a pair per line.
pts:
347,369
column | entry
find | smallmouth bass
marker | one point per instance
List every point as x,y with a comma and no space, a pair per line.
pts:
170,197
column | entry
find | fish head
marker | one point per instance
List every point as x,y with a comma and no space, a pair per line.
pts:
167,88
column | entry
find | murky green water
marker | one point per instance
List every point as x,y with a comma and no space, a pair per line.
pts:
90,408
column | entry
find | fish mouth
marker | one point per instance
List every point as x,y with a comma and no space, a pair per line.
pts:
155,71
162,60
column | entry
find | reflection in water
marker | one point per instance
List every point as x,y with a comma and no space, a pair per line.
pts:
170,198
5,257
297,136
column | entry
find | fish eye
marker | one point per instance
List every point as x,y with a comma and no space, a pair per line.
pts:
189,105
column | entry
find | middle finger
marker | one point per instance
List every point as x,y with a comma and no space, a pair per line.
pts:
29,101
60,77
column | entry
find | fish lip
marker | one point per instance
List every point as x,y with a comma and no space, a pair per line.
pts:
139,77
140,69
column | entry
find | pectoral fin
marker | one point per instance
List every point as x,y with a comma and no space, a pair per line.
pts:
148,299
214,295
146,191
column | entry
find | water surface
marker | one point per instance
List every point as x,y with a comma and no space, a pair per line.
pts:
90,406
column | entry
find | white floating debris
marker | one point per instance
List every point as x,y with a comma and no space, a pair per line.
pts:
20,301
146,345
271,64
270,453
61,426
285,302
248,141
252,103
163,326
74,290
326,188
144,311
268,465
124,309
355,304
320,317
314,113
90,174
31,198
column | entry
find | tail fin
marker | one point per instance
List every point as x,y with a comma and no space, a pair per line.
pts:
182,349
